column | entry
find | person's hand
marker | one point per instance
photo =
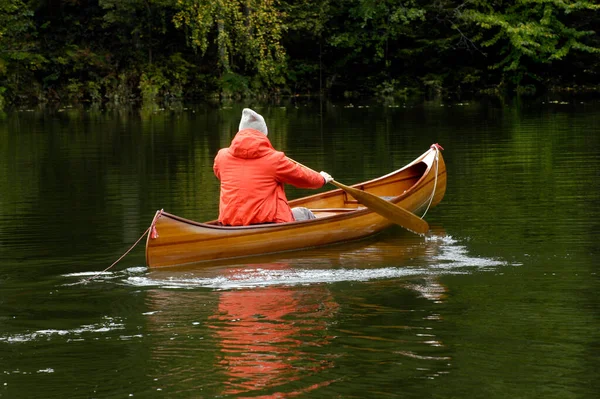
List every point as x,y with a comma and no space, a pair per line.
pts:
326,176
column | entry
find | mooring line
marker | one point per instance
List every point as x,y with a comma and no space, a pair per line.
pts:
122,256
153,234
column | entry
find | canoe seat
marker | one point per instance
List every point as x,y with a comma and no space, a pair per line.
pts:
353,201
323,212
335,210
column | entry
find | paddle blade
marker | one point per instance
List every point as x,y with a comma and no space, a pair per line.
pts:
390,211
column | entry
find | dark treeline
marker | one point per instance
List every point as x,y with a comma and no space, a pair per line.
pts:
160,51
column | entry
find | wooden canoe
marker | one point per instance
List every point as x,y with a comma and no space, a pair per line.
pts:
418,186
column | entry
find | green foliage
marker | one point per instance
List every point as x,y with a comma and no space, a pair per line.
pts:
94,90
300,75
389,91
527,32
164,81
2,101
152,82
19,49
164,51
244,35
234,85
372,24
384,40
138,22
119,88
433,82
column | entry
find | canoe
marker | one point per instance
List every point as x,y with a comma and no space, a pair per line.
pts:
173,240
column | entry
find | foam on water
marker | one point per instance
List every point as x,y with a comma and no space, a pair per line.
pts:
247,278
109,324
447,257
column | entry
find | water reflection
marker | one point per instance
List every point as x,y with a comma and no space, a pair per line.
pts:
276,329
286,324
262,333
259,338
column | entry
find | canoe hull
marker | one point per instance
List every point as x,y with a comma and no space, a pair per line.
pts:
177,241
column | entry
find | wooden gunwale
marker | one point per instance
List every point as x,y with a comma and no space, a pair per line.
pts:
257,229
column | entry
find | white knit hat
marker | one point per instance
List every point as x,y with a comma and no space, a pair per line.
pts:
252,120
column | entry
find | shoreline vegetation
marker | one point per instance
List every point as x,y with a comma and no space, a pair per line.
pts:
159,53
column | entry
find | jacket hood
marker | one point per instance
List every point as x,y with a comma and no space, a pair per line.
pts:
250,143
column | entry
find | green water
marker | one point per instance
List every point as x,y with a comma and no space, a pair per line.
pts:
499,300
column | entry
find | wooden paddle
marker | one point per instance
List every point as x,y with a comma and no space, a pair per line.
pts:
388,210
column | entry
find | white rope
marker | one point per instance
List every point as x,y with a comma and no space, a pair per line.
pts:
437,162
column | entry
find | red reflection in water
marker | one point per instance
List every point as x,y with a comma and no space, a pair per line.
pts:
274,341
265,335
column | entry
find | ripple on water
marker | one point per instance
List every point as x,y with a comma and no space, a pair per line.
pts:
76,334
437,254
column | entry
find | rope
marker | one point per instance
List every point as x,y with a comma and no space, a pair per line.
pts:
152,228
437,163
122,256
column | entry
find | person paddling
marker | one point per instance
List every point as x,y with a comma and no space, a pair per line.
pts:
252,175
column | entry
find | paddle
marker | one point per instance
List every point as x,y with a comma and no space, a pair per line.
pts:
388,210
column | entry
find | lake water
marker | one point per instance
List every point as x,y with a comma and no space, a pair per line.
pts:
499,300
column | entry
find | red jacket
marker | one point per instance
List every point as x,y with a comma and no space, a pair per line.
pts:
252,175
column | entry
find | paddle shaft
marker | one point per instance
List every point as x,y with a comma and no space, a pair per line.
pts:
390,211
